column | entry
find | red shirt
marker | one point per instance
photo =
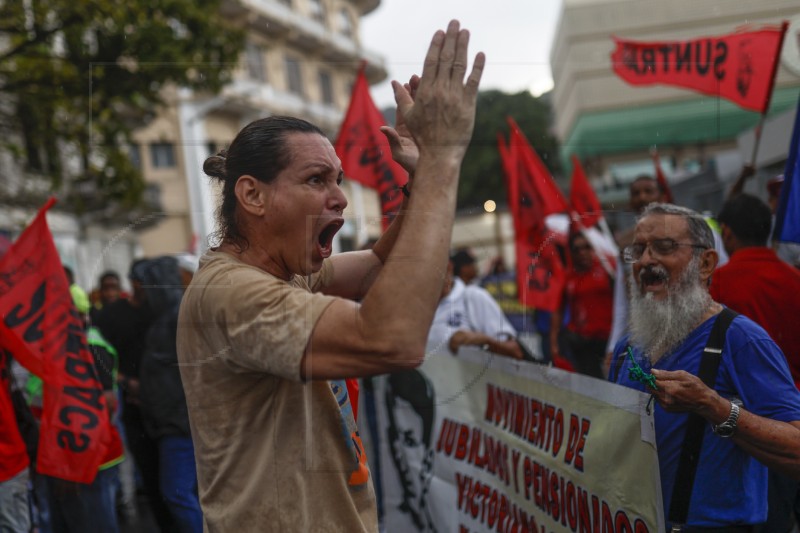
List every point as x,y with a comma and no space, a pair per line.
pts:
757,284
590,297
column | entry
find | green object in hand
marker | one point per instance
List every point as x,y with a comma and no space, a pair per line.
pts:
637,374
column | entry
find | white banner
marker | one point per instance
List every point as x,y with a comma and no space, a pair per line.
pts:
485,443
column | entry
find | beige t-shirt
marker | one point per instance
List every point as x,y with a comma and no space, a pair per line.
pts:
273,453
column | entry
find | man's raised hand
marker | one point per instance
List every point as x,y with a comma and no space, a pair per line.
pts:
441,115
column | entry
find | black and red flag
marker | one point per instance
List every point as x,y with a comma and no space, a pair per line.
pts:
365,152
41,329
585,204
739,67
532,196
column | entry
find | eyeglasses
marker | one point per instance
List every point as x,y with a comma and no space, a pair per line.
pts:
660,247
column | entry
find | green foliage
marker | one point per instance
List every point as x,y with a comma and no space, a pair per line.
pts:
80,75
482,171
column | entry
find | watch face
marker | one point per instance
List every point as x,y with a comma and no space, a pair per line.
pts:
728,428
724,430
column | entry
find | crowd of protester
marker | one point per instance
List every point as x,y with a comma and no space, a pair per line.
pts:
132,339
236,366
132,336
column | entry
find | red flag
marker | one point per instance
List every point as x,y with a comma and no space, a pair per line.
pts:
13,454
365,153
540,273
42,330
543,189
584,201
662,179
532,196
739,67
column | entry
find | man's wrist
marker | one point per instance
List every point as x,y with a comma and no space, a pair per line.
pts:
717,410
727,428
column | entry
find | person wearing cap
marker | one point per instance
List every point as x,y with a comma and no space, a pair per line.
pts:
464,265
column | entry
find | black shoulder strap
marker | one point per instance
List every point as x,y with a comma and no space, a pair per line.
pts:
690,453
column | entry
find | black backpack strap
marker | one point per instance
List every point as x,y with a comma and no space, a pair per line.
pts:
690,453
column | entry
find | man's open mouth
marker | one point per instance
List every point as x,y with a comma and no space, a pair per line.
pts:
325,239
652,277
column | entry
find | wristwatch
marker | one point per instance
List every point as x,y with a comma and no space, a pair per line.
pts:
728,428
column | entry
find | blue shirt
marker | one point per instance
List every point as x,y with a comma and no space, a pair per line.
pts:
730,486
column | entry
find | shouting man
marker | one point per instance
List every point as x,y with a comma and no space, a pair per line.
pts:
748,419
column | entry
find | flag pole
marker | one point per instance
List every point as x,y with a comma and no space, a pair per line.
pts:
757,140
760,126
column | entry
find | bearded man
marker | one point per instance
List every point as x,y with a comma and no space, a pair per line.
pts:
751,414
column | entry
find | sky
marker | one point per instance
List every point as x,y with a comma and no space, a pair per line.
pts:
515,35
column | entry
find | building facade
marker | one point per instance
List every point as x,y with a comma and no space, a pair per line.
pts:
300,59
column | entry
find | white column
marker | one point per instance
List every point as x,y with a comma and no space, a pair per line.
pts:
193,143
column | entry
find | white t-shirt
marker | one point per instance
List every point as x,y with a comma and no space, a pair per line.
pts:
471,308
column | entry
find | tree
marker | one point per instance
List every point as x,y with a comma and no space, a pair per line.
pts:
78,76
482,172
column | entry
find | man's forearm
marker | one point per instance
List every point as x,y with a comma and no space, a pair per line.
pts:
776,444
411,277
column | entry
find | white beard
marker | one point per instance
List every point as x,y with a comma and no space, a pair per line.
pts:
656,327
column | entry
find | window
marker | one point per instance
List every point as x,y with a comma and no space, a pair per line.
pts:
326,87
293,75
162,155
151,196
254,57
316,9
135,155
344,23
